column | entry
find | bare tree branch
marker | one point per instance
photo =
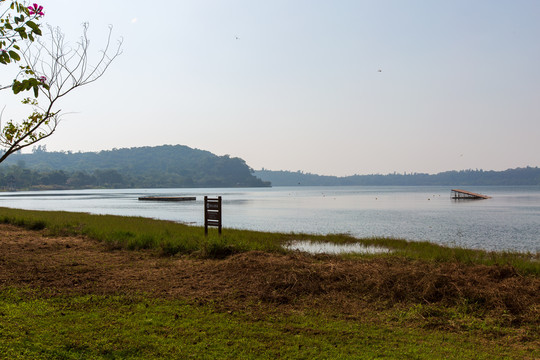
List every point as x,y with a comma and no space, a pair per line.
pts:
61,69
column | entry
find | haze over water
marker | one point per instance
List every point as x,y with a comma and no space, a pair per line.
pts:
510,220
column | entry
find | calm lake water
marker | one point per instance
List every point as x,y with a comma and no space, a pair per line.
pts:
510,220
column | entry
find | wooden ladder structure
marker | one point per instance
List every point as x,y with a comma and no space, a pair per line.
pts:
458,194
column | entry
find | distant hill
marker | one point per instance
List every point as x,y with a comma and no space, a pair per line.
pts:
518,176
144,167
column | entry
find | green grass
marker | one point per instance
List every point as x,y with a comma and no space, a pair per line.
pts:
140,327
527,263
142,233
34,325
170,238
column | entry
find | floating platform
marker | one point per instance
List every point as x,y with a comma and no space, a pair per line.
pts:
168,198
458,194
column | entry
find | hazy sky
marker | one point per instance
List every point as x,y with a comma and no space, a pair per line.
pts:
295,84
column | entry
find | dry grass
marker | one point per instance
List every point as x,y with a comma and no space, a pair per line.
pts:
287,281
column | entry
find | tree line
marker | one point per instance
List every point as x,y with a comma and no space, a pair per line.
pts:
517,176
164,166
18,177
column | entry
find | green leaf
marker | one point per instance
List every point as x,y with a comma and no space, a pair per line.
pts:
14,55
17,87
35,27
4,58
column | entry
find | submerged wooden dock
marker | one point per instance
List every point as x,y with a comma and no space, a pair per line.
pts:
463,194
168,198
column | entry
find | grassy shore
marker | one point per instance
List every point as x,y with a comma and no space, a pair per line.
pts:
79,286
170,238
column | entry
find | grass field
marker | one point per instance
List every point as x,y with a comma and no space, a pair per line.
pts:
170,238
85,327
79,286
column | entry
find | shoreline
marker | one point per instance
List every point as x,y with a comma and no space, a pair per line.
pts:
505,222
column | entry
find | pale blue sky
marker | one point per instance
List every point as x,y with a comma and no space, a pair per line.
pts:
295,85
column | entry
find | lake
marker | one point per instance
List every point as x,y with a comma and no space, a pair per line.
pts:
510,220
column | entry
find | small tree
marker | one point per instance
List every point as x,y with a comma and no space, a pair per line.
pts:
51,68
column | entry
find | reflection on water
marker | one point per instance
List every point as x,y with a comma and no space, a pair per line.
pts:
334,249
510,220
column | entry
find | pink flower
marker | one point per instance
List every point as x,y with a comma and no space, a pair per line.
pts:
35,9
42,79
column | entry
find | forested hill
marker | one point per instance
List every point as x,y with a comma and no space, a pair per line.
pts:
519,176
145,167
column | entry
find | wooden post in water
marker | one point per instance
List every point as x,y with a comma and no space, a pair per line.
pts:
212,213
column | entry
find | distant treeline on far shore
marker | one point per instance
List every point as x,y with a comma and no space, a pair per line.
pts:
518,176
178,166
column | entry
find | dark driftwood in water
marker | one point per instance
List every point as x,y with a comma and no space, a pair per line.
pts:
168,198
